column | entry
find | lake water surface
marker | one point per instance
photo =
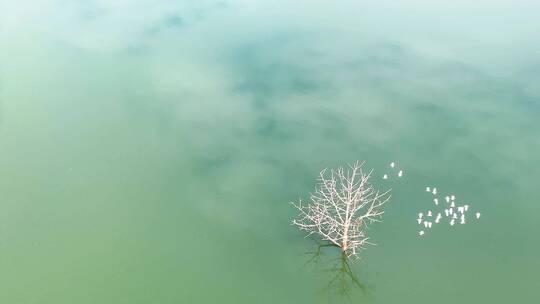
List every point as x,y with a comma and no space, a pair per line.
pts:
149,149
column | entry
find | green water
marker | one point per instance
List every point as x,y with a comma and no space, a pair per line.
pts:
149,149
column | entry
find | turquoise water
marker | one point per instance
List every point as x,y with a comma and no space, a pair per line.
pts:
149,149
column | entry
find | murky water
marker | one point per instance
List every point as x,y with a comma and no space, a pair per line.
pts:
149,149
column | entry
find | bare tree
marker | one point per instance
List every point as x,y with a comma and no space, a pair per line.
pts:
342,206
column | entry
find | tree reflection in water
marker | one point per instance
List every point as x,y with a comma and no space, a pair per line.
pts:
332,261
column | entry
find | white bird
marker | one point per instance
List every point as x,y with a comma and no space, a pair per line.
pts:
436,201
392,164
450,211
447,198
478,215
434,191
452,222
429,213
453,197
437,220
428,189
420,215
454,216
446,212
466,207
400,173
453,204
460,209
429,224
385,176
462,220
421,232
419,221
425,224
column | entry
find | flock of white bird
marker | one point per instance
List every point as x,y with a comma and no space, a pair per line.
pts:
393,166
452,212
